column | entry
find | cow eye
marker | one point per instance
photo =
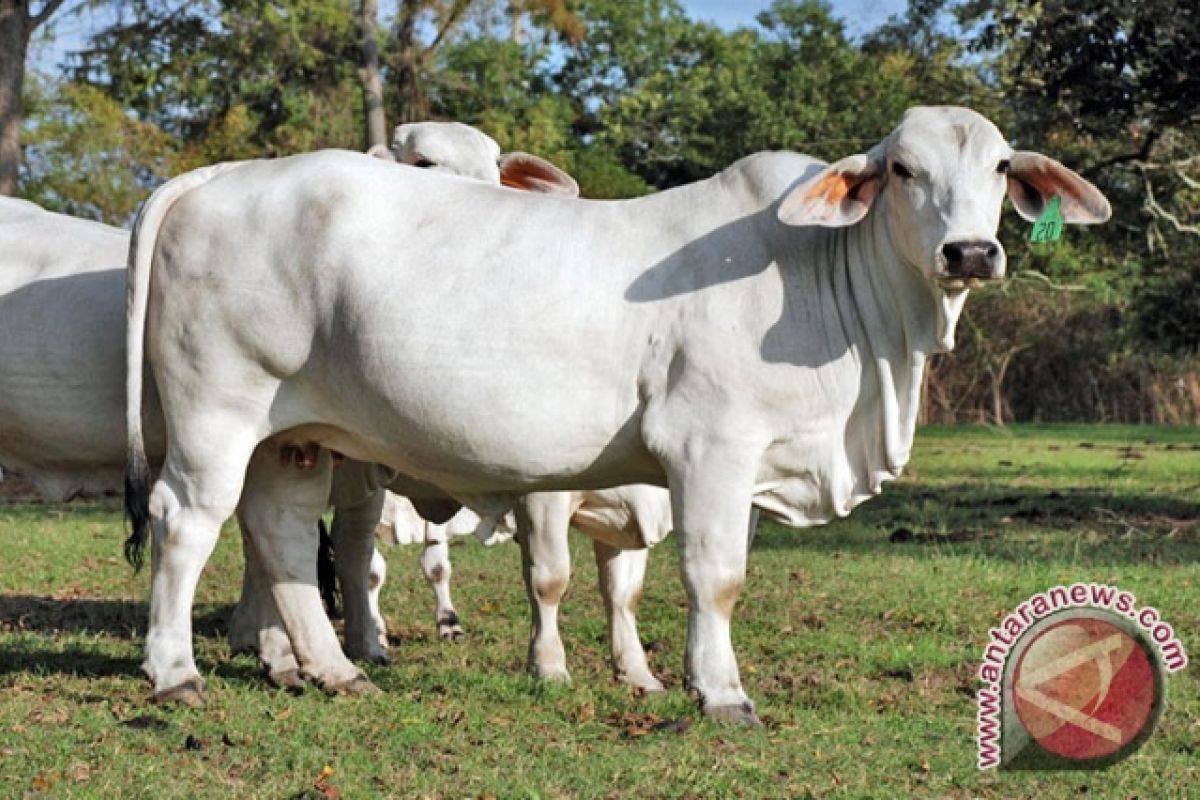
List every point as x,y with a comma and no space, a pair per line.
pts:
900,170
1004,166
423,163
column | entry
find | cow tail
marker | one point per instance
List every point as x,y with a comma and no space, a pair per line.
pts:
141,255
327,582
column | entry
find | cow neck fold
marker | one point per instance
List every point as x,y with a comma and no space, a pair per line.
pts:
899,320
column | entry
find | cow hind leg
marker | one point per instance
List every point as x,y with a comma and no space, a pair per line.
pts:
195,493
435,564
243,623
542,523
281,506
621,573
256,625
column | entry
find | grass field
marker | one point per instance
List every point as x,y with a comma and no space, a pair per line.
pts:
859,641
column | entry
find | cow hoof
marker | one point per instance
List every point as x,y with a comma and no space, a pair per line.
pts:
740,714
190,693
451,633
382,659
552,674
289,679
371,656
357,686
647,684
239,646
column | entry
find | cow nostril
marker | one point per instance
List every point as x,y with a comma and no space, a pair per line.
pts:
953,252
992,250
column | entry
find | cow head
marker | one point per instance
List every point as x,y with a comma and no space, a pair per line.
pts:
462,150
940,179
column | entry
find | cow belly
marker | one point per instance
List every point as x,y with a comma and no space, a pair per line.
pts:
62,383
476,426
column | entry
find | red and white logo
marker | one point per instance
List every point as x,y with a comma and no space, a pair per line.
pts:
1084,688
1073,678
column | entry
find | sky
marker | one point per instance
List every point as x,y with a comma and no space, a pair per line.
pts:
860,15
71,30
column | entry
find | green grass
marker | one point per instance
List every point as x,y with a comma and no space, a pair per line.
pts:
860,651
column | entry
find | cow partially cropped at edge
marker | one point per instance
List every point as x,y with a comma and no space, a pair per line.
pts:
759,336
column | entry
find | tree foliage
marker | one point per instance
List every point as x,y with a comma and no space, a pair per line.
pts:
633,96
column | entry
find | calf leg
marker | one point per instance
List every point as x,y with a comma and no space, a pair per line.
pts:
621,574
375,586
542,523
281,506
435,564
354,551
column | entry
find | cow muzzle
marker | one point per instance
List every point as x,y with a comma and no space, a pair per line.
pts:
967,263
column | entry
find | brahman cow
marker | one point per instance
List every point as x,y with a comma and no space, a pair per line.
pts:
62,361
62,352
759,336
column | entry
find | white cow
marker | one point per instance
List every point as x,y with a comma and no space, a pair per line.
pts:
358,488
62,357
62,352
757,336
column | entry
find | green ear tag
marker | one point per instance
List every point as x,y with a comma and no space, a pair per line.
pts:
1048,227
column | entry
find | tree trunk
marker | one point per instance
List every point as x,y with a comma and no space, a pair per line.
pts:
998,388
372,83
15,28
411,105
516,20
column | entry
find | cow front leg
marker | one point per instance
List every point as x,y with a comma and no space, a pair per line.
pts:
710,502
621,574
542,523
281,506
354,551
435,565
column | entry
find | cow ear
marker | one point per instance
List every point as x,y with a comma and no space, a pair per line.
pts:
1034,178
839,195
381,151
533,174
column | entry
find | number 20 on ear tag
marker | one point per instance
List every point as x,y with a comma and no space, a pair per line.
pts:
1049,225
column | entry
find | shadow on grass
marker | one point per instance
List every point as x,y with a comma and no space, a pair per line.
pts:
1012,523
120,618
81,662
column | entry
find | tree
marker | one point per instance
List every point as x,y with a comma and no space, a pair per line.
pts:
232,79
18,21
425,27
372,82
412,57
85,156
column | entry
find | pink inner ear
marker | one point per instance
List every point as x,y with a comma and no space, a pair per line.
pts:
836,187
832,189
865,190
1081,201
532,174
